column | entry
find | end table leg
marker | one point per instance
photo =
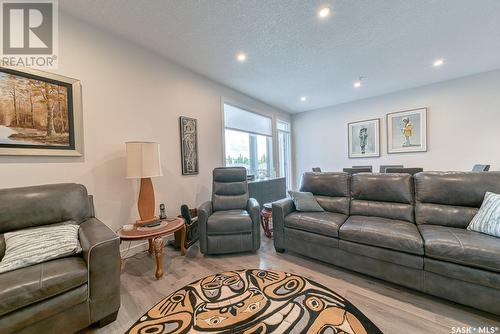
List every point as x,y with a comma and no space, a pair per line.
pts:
183,240
150,249
158,249
268,232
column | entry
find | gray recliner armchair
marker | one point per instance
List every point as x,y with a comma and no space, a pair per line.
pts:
67,294
229,223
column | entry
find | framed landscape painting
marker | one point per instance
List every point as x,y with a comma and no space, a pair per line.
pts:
189,145
40,114
364,139
407,131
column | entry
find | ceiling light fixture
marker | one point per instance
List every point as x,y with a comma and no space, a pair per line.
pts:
438,62
241,57
358,83
324,12
303,99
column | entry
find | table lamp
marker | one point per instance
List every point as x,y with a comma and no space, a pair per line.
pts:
143,162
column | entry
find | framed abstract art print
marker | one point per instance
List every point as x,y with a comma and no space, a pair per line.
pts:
407,131
189,145
364,139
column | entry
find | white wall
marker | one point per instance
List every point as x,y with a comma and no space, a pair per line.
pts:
463,127
131,94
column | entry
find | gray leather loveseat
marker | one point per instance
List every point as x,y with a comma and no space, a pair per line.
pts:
62,295
409,230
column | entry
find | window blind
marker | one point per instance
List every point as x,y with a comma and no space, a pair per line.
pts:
242,120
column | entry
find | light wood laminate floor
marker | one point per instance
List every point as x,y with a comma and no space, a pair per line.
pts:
392,308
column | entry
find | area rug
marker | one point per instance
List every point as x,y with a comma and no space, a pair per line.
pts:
254,301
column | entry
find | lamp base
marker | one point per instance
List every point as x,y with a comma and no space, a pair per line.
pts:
146,203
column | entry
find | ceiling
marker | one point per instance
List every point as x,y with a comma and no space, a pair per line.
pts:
292,53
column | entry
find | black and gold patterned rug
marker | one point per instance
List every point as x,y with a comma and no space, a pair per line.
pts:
254,301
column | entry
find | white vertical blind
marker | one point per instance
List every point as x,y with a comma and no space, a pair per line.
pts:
238,119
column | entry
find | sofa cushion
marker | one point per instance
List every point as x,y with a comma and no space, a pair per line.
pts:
451,198
332,190
461,246
334,204
309,241
229,222
325,223
383,195
382,232
32,284
39,244
465,189
230,188
397,188
326,184
42,205
389,210
444,215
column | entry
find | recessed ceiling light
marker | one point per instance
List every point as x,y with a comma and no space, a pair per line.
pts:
358,83
438,62
241,57
303,99
324,12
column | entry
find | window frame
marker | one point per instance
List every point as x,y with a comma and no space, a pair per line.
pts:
289,181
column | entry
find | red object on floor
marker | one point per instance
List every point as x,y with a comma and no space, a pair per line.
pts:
266,213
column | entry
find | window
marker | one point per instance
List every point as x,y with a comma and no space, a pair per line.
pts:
248,141
284,152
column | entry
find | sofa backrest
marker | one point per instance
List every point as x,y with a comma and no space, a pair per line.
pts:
41,205
230,188
330,189
452,198
383,195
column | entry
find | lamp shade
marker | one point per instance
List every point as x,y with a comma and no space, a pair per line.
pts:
143,160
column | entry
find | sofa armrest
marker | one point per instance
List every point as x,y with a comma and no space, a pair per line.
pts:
91,206
204,211
281,209
253,209
101,252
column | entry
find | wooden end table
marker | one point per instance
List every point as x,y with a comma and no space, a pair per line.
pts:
155,235
266,213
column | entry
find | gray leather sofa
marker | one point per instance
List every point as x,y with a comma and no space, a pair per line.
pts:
229,223
409,230
67,294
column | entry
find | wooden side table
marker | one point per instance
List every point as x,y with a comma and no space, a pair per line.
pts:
266,213
155,235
